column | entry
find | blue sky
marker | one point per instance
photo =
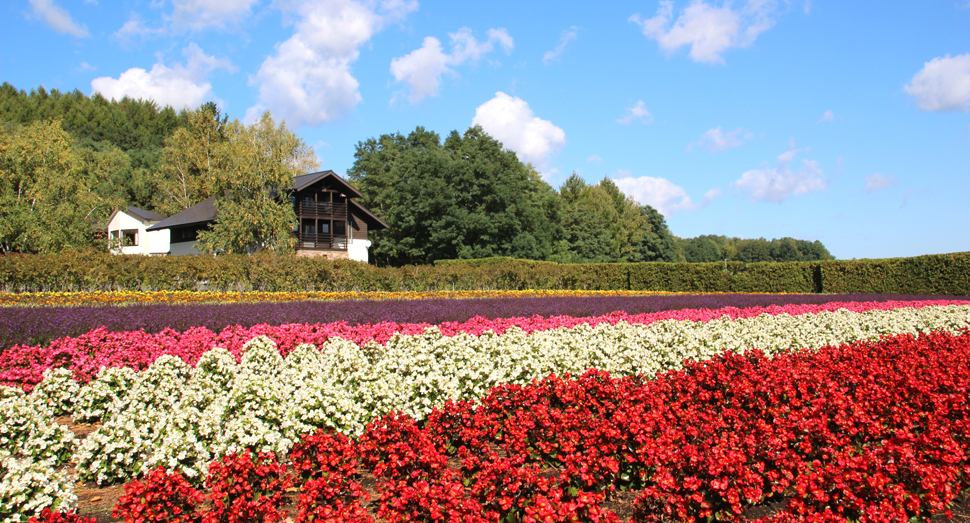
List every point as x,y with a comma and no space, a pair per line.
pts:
845,122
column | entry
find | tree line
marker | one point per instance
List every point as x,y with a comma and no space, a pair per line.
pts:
68,160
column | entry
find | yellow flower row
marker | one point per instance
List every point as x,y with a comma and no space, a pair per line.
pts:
180,297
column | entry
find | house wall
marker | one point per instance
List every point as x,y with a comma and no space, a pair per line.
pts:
357,250
330,255
184,248
358,227
158,241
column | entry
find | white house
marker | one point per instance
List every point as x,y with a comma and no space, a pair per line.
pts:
330,224
128,232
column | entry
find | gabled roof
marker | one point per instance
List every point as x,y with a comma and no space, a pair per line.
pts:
368,214
146,216
205,211
305,180
202,212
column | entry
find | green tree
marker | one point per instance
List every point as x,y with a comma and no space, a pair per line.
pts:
657,243
702,249
47,198
196,162
751,251
257,164
464,198
135,128
586,236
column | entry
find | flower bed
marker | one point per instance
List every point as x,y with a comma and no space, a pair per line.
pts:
196,404
182,417
86,354
869,431
41,325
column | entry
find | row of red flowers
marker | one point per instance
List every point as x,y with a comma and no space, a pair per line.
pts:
23,365
872,431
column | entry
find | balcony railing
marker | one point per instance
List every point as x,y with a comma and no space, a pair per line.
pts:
333,210
321,242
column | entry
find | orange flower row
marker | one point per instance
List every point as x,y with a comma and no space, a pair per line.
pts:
181,297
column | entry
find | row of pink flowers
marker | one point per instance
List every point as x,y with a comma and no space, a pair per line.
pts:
23,365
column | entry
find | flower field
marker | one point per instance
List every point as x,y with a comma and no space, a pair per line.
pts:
40,325
834,410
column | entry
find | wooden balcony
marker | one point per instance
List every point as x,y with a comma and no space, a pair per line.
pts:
333,211
321,242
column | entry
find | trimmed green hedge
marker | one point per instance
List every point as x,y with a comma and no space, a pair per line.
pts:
945,274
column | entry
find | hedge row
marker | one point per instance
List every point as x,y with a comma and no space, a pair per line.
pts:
945,274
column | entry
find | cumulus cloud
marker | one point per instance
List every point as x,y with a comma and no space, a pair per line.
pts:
708,30
57,18
942,85
422,68
199,14
716,140
877,181
567,36
595,158
779,183
510,120
179,85
827,116
308,80
637,112
659,193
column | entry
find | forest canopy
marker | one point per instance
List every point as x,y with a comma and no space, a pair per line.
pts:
68,160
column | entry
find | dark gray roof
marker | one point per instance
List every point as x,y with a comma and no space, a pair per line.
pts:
205,211
305,180
146,216
202,212
373,218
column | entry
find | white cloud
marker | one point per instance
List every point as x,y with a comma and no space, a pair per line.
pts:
200,14
308,81
710,195
659,193
943,84
877,181
780,183
86,67
567,36
422,68
707,29
510,120
637,112
716,140
57,18
135,28
827,116
179,86
594,159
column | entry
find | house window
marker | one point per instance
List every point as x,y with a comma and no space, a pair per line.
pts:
129,238
325,228
340,228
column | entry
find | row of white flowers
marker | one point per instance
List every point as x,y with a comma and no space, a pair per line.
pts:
182,418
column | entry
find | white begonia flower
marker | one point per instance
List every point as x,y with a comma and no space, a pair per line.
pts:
27,487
